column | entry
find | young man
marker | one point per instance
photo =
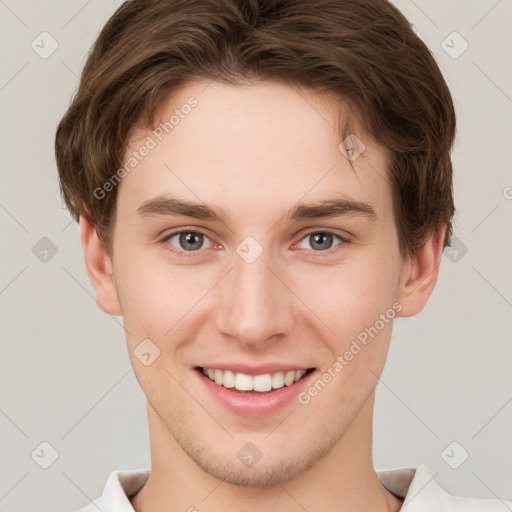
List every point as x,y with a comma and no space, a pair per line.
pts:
262,186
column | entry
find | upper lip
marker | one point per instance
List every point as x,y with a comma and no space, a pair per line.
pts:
255,369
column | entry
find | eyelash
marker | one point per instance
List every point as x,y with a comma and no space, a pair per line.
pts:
190,254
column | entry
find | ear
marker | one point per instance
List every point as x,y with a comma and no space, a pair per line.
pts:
99,269
419,275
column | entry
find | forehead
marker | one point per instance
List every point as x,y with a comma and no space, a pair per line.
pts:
263,145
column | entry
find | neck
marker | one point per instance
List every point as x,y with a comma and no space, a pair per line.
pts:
344,479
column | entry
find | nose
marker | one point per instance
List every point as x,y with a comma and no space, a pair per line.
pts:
254,307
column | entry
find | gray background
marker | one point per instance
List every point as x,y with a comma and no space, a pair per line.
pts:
66,376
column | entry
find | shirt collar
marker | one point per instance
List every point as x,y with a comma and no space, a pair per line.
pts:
417,486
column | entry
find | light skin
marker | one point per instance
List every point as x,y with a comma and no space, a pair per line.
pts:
253,153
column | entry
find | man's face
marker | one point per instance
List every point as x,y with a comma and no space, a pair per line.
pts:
257,290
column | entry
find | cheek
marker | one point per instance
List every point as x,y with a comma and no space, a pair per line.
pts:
157,304
349,298
357,306
155,296
359,309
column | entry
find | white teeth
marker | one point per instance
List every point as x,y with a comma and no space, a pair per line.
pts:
228,380
262,382
288,378
259,383
278,380
243,382
298,375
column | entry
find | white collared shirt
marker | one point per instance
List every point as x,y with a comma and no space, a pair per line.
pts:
417,486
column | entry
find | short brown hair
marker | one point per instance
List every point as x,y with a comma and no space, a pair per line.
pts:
363,51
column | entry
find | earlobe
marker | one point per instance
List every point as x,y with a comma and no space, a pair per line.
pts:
99,269
420,274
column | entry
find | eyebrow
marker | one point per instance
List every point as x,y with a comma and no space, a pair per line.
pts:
167,206
331,208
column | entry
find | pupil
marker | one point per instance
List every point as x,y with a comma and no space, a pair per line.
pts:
319,237
191,238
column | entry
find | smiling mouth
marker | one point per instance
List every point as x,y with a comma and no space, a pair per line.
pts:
253,384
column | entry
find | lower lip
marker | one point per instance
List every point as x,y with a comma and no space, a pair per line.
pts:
262,404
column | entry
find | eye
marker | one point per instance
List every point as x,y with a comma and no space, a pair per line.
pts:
321,240
187,241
